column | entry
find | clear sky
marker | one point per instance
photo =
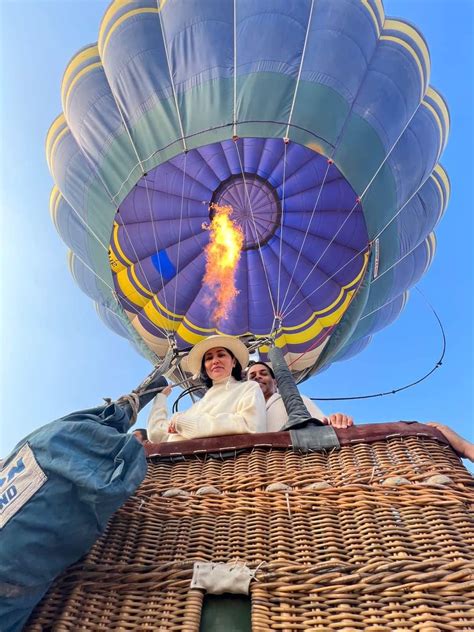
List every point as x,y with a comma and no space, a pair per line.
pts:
57,356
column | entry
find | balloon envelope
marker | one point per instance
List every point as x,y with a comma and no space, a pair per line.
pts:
315,121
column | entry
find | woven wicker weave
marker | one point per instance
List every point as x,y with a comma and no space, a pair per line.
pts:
358,539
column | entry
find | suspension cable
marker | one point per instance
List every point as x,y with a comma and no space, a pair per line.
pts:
358,199
280,255
393,391
187,391
255,227
300,69
179,234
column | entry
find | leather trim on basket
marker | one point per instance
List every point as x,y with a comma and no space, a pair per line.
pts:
364,433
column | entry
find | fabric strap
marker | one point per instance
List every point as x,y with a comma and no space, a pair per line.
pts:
298,415
314,438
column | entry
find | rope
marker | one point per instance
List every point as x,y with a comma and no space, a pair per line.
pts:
357,254
391,220
133,400
212,129
185,380
156,247
438,363
179,234
114,294
255,229
175,96
112,198
88,227
101,279
396,214
280,256
234,122
165,331
378,308
300,250
204,131
187,391
300,69
359,198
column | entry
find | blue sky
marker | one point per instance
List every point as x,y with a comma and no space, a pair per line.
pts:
57,354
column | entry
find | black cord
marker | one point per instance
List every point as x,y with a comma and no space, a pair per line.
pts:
401,388
187,391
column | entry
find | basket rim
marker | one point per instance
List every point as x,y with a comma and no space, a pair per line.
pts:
363,433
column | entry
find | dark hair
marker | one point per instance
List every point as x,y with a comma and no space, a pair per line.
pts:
269,368
236,370
142,432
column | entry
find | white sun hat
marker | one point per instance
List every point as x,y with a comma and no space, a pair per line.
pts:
192,362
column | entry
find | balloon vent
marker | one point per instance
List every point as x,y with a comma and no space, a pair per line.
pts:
255,207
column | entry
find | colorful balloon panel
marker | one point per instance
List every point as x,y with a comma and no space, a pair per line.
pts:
315,121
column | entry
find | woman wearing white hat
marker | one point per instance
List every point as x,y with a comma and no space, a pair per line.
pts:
229,406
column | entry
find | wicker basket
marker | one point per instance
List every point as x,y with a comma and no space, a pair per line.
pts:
376,536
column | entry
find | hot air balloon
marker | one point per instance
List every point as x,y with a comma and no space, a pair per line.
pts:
268,170
313,121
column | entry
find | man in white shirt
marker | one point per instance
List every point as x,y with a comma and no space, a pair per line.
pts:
277,416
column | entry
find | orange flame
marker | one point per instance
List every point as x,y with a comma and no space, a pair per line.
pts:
222,256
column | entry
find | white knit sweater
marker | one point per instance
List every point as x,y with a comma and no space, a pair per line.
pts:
228,407
277,415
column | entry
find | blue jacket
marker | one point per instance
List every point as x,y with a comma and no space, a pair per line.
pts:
58,489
